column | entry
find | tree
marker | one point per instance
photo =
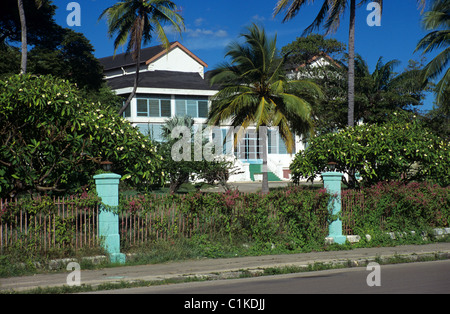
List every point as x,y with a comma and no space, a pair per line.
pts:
437,20
178,172
330,14
52,140
403,149
384,91
255,91
55,50
23,24
377,94
42,29
135,21
72,58
303,49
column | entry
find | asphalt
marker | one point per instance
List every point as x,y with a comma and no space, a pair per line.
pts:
217,269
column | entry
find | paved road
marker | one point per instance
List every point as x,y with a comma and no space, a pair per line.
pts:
227,267
411,278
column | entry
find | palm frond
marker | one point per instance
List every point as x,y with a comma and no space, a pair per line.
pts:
290,6
321,16
253,91
436,66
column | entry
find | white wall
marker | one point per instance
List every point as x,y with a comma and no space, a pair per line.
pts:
177,60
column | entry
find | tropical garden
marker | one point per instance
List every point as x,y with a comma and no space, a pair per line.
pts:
59,121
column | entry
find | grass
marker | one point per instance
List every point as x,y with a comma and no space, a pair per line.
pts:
162,251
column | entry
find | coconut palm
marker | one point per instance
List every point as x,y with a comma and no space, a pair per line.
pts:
330,14
255,91
178,121
137,21
383,91
438,21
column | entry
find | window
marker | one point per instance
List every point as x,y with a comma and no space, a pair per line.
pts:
224,139
153,107
127,112
276,144
249,146
152,130
195,107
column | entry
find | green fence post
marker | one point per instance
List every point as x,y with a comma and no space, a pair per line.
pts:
107,185
332,183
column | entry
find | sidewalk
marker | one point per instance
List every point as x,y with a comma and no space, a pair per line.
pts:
225,268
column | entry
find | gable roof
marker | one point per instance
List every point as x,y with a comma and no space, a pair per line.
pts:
148,55
317,58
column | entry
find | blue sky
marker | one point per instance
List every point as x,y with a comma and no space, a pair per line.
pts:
211,25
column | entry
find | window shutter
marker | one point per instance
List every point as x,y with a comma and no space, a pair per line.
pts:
281,146
180,108
202,109
165,108
154,107
191,108
142,108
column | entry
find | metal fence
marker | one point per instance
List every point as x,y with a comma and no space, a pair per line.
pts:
63,225
69,225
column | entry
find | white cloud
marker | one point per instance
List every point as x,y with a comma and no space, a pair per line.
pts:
203,38
199,32
258,18
199,35
199,21
221,33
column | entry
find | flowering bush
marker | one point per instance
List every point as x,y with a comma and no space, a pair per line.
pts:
402,149
52,140
395,206
296,216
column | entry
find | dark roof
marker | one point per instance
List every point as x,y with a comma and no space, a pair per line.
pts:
125,59
162,79
148,55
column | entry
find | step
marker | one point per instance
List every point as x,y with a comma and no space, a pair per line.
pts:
256,168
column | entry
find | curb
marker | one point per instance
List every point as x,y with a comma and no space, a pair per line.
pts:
140,278
323,264
438,233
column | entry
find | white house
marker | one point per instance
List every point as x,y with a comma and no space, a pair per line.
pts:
174,83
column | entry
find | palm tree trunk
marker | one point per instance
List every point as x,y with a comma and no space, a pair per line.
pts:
351,66
23,25
137,41
136,80
265,180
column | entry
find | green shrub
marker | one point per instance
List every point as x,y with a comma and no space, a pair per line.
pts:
295,217
51,140
399,207
400,150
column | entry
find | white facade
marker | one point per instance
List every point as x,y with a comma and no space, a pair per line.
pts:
177,60
172,84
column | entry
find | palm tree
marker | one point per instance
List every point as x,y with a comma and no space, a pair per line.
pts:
23,27
178,171
331,13
438,20
383,91
255,91
172,123
135,21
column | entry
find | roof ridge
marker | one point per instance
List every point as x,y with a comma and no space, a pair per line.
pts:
148,55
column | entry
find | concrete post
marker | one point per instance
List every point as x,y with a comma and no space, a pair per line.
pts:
107,185
332,183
